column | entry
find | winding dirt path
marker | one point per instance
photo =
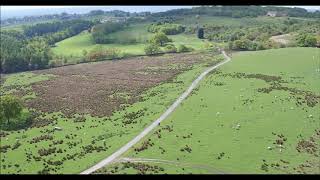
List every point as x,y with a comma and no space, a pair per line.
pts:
136,139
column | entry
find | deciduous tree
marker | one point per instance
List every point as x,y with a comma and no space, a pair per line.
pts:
10,107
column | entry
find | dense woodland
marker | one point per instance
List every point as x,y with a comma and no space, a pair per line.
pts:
239,11
30,49
258,37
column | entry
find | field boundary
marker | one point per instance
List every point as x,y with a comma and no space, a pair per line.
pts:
136,139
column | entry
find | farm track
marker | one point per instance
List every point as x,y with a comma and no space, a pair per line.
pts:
176,163
136,139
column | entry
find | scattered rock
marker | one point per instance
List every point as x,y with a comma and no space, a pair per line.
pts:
57,128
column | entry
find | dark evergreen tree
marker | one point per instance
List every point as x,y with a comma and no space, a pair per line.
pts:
200,33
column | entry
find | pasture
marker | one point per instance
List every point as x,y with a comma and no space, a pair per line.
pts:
72,127
136,33
258,113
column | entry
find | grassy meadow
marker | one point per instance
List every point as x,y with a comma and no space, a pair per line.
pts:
138,32
81,143
233,125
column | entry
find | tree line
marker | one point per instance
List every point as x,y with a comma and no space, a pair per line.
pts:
238,11
100,32
30,49
258,37
57,31
18,53
166,28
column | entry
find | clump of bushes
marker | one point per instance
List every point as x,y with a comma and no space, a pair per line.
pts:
79,119
4,149
183,48
245,44
152,49
100,54
90,148
41,138
46,152
170,48
186,148
16,145
166,28
306,40
160,39
57,142
144,145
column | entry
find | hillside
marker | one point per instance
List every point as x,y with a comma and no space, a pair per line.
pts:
254,102
200,90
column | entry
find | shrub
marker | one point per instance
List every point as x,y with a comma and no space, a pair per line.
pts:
183,48
168,29
52,64
56,63
113,53
152,49
270,44
170,48
200,33
100,54
306,40
208,45
160,39
260,47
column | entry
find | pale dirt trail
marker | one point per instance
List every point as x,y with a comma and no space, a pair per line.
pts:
209,169
135,140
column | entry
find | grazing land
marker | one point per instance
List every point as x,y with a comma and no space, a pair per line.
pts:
92,123
83,41
115,92
256,114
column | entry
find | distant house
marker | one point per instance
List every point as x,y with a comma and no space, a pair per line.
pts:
275,14
272,13
113,19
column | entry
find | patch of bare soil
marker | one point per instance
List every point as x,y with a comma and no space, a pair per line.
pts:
88,88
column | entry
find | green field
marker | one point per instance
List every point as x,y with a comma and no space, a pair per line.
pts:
190,90
230,122
75,45
84,143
